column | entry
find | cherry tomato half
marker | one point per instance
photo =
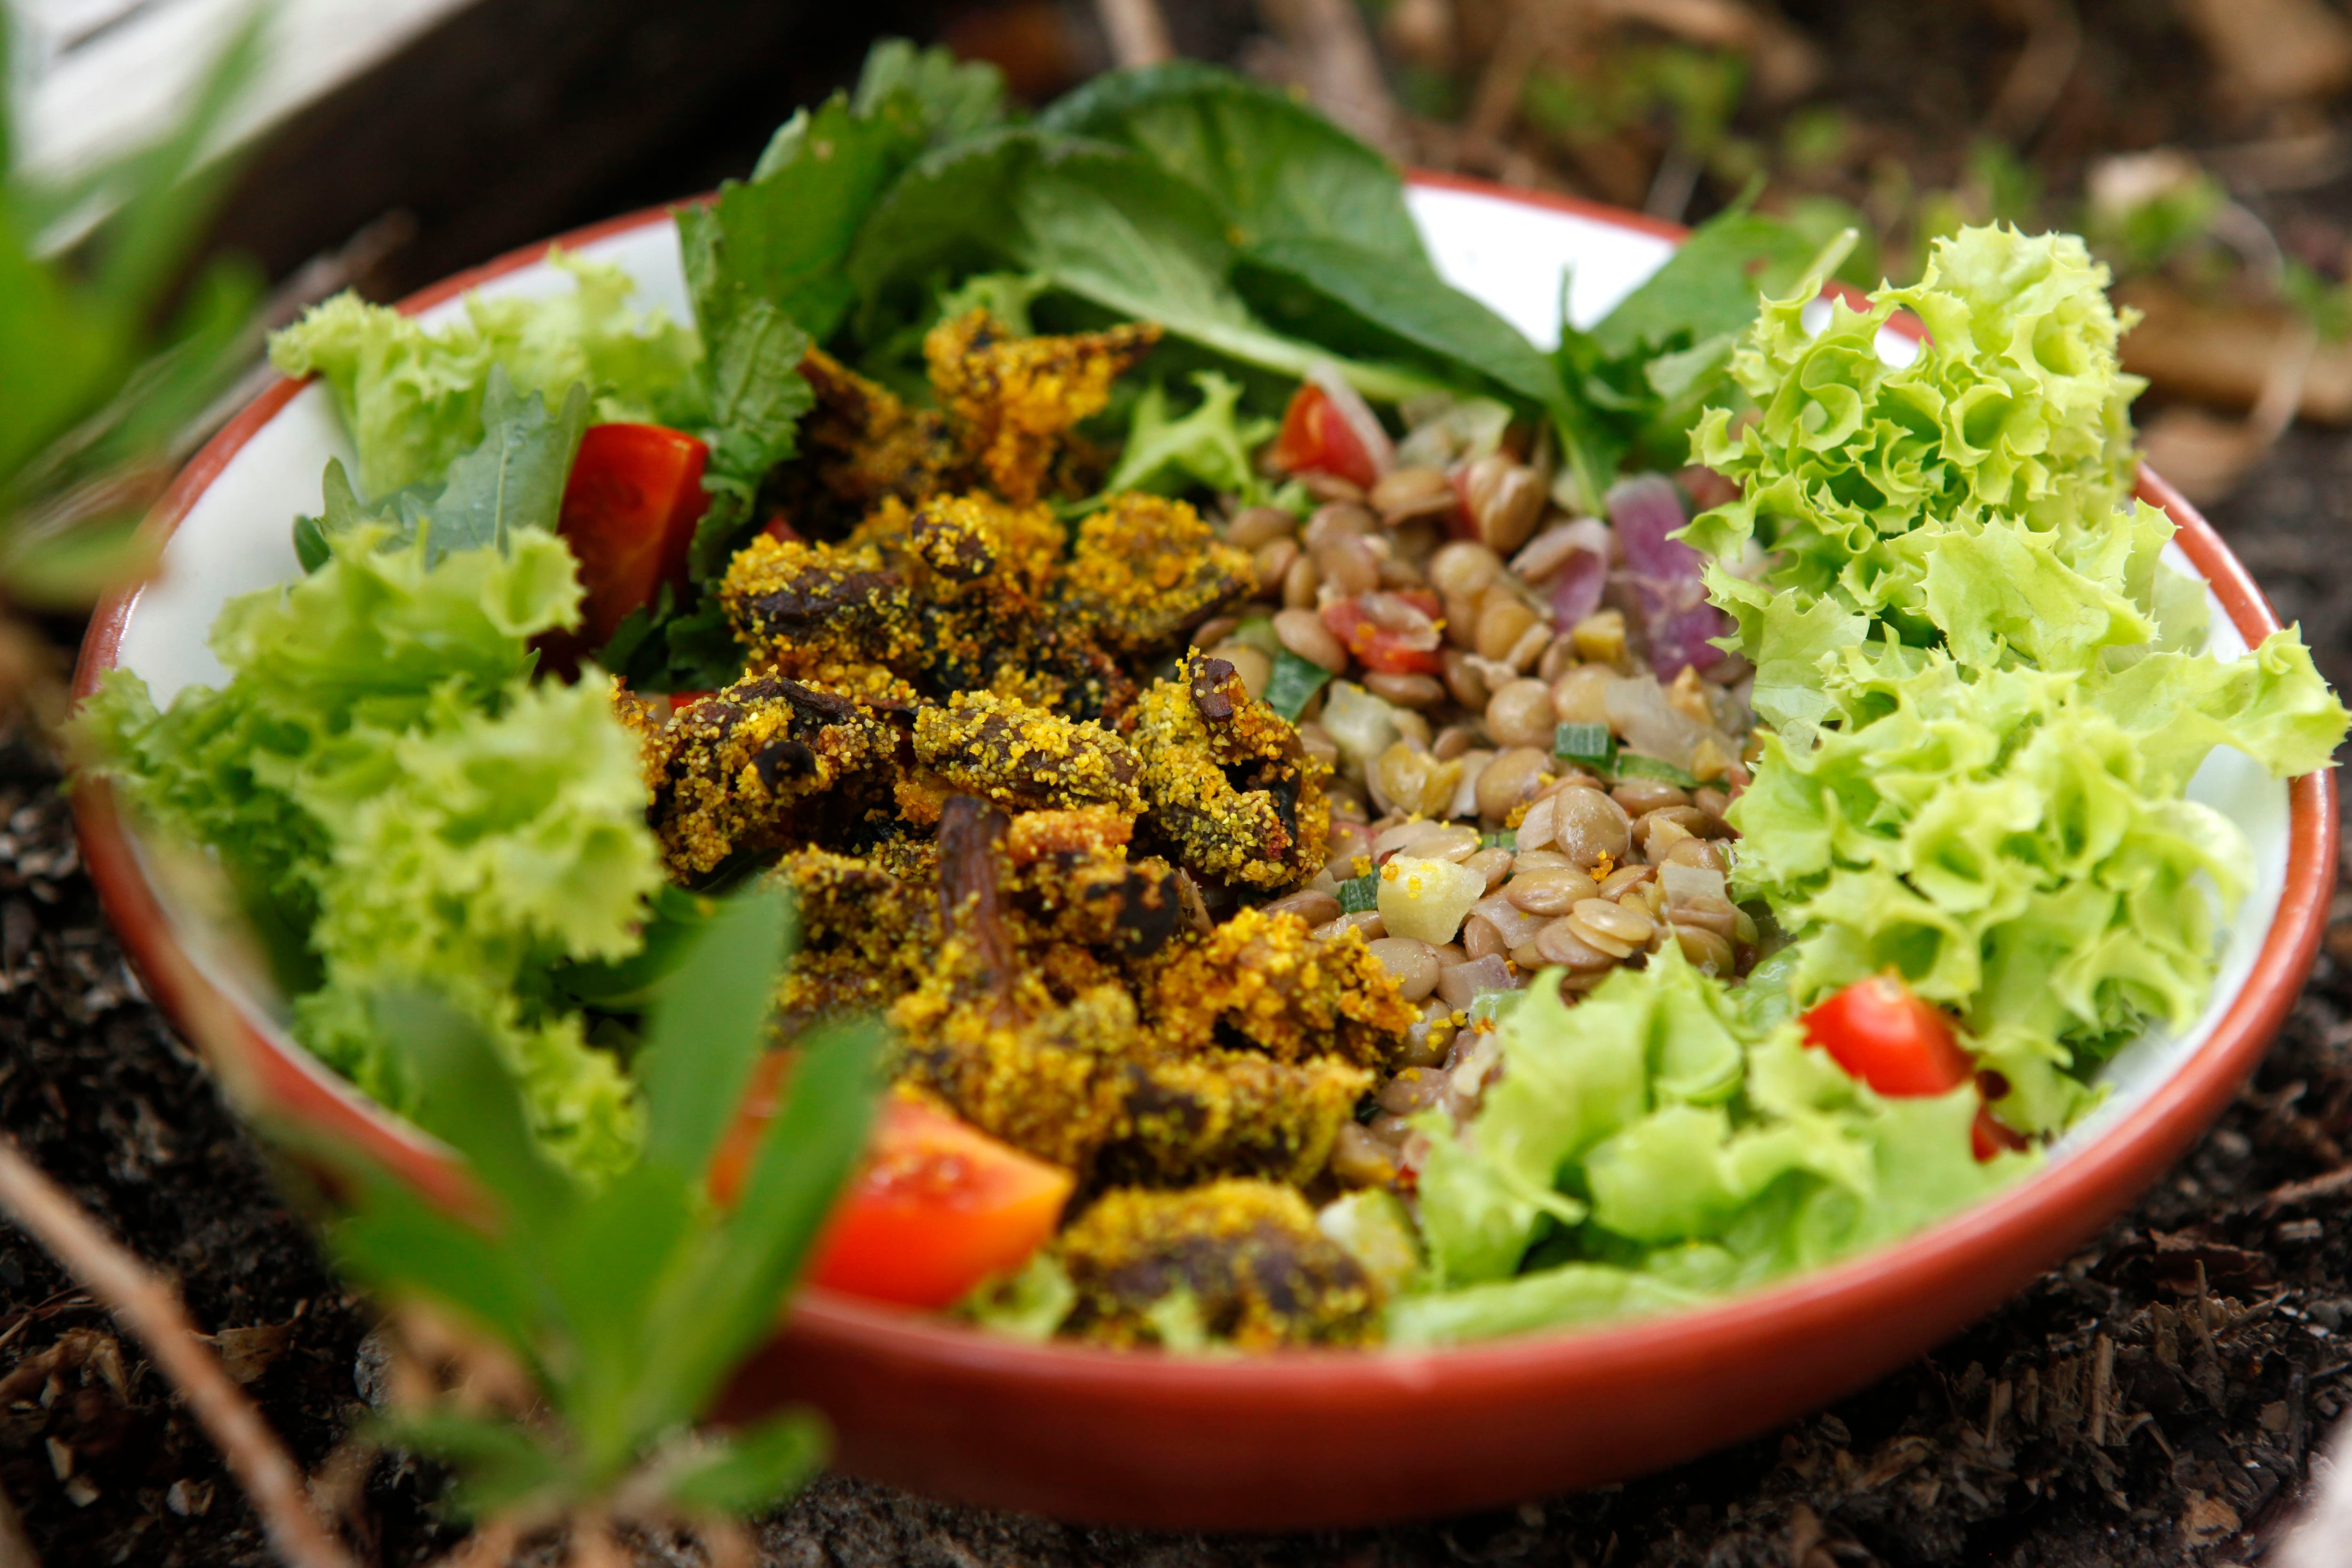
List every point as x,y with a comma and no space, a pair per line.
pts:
1316,439
938,1207
1376,647
1882,1033
629,510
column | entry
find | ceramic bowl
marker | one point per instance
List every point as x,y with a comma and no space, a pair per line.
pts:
1312,1437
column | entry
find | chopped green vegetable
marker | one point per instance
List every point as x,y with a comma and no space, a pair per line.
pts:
1294,682
1634,765
1211,445
1587,745
1492,1006
1499,838
1359,895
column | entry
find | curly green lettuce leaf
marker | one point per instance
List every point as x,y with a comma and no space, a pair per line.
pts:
412,395
1210,445
1664,1147
382,780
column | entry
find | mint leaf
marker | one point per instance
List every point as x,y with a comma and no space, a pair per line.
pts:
953,98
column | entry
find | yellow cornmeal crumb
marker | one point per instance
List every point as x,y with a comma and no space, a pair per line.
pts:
1026,757
1270,980
1268,832
1145,567
1017,398
1258,1271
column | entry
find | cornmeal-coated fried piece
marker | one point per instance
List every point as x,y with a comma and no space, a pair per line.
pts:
868,935
1016,398
1248,1253
810,608
739,768
864,443
1079,1084
1025,757
1146,568
1267,980
1229,785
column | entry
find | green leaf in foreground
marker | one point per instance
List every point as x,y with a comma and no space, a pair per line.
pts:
631,1300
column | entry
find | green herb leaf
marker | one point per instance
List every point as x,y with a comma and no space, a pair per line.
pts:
1293,684
954,98
466,1097
1360,895
400,1245
1101,223
724,1299
755,1470
1275,168
1211,445
710,1025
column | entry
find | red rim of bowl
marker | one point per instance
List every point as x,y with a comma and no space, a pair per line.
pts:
2038,1219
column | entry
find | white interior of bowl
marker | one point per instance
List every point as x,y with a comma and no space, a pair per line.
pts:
1513,256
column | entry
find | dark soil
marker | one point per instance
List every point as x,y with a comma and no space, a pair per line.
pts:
2155,1400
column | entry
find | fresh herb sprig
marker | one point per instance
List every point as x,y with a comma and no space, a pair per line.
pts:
623,1309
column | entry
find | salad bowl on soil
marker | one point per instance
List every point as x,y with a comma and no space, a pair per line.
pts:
1297,1438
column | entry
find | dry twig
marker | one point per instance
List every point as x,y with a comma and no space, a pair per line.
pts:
149,1309
1137,31
1328,48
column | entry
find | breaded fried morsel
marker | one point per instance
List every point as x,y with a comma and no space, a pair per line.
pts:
745,768
1146,568
815,610
868,933
1257,1271
1025,757
1077,1082
1267,980
865,442
1014,399
1229,783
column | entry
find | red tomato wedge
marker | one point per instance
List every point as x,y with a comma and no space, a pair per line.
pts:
1378,647
1883,1034
938,1207
1990,1135
629,511
1317,439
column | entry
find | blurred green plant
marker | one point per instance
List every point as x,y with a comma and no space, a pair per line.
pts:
107,354
591,1328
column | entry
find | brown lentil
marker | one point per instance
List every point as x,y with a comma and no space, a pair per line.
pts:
1580,696
1549,892
1298,584
1480,939
1520,715
1405,690
1536,824
1514,775
1464,568
1502,622
1366,922
1558,943
1336,518
1315,908
1615,884
1413,962
1319,744
1257,525
1639,794
1589,827
1274,560
1557,659
1346,563
1463,679
1492,864
1452,741
1705,913
1694,852
1709,953
1540,860
1303,634
1404,493
1415,1088
1360,1160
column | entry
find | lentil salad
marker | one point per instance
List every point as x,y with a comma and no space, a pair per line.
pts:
1324,844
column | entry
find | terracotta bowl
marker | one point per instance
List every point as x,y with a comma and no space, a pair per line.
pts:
1306,1438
